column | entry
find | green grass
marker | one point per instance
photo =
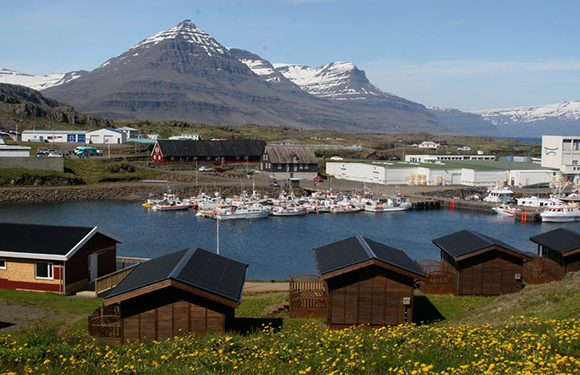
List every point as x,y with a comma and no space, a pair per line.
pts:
9,174
99,170
253,304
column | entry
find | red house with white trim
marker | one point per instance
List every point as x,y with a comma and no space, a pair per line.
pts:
50,258
239,151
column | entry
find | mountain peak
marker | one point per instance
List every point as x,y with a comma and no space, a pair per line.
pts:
185,31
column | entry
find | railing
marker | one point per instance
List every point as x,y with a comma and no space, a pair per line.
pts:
437,281
124,262
308,298
541,270
105,326
107,282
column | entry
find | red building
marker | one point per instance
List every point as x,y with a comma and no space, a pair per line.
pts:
50,258
242,151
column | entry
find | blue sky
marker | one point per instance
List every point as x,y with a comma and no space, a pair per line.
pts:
463,54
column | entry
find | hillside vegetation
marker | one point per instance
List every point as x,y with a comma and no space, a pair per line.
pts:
535,331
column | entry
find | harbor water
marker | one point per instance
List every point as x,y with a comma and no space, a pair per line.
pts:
275,247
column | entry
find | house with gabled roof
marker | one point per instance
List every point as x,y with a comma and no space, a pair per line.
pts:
367,282
54,258
186,291
561,246
224,151
289,162
480,264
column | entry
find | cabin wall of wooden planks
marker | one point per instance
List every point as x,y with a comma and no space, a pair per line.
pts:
371,295
171,312
487,274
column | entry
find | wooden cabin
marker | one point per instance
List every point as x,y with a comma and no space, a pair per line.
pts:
561,247
289,162
481,265
186,291
51,258
367,282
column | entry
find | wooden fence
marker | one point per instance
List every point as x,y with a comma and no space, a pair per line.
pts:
541,270
107,327
308,297
108,282
438,281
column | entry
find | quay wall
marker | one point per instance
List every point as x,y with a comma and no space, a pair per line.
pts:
33,163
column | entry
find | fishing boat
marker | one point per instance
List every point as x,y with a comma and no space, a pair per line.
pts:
171,206
561,214
288,211
345,209
499,194
505,210
392,204
242,212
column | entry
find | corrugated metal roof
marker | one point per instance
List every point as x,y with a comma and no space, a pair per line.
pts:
358,249
177,148
291,155
199,268
467,241
561,240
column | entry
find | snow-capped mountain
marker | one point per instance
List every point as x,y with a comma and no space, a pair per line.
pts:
560,118
336,80
185,74
37,82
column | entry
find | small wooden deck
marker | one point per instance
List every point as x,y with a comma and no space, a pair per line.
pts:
438,281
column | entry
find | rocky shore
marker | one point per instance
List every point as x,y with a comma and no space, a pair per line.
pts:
68,194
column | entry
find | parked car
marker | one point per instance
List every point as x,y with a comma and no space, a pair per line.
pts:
274,183
55,155
205,169
219,169
318,179
90,151
336,158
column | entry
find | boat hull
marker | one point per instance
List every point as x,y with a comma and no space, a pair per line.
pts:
171,208
251,215
297,213
559,219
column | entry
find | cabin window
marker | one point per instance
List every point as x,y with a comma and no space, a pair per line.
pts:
2,264
44,270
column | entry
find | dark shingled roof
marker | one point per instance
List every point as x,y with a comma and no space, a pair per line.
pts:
358,249
466,242
40,239
199,268
191,148
285,154
561,240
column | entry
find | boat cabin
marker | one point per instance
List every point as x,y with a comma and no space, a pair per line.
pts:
481,265
54,258
367,282
560,246
186,291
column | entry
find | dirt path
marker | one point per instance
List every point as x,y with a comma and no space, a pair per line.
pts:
15,316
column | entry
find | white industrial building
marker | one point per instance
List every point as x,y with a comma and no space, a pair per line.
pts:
106,136
54,136
486,173
10,151
562,152
130,133
445,157
193,137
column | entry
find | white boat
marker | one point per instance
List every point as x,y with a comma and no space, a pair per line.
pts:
506,210
242,212
561,214
172,206
288,211
499,194
345,209
537,202
392,204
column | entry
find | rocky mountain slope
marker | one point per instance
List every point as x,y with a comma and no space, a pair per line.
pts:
464,122
38,82
23,101
560,118
185,74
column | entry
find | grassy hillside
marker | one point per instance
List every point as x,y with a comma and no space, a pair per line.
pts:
535,331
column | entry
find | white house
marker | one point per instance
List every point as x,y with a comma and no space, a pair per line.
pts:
54,136
193,137
131,133
153,136
464,148
429,145
106,136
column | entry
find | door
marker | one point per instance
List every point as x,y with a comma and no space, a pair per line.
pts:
93,266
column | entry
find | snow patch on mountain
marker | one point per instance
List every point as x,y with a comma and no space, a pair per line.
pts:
566,111
188,32
338,80
262,68
37,82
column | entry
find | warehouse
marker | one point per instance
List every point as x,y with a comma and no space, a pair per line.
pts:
11,151
467,173
106,136
54,136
